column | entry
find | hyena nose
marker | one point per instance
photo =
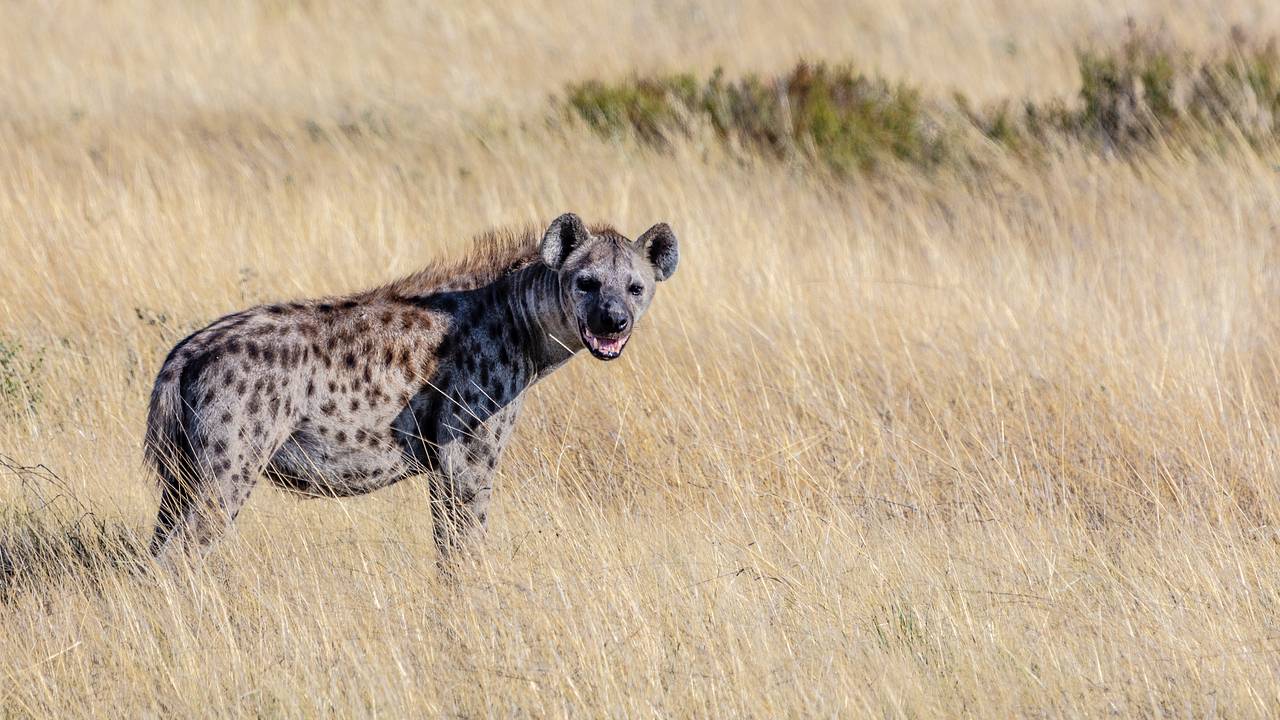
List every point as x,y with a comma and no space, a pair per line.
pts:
616,320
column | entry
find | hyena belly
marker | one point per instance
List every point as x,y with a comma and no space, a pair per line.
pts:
343,443
337,464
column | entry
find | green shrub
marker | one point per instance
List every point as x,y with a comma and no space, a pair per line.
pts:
649,107
829,115
1147,90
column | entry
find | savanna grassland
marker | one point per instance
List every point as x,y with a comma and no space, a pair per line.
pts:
964,400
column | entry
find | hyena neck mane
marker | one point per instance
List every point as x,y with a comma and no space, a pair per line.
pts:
515,326
507,317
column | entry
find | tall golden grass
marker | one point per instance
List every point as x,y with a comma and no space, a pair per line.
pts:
955,444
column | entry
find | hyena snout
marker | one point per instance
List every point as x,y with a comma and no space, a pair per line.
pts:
606,329
609,318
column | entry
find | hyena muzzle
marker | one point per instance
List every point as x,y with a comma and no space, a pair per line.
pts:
340,397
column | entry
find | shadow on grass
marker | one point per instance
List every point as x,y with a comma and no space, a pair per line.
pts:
48,537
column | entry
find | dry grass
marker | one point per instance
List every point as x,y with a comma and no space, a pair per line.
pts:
903,446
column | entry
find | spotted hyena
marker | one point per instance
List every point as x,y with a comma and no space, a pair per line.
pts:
343,396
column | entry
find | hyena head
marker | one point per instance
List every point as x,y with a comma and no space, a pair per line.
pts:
606,280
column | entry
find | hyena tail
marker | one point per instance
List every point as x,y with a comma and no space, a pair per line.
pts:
167,447
166,436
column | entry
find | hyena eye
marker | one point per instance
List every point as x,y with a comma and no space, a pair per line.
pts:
587,284
636,289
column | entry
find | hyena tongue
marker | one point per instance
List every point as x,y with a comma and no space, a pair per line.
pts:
608,346
612,346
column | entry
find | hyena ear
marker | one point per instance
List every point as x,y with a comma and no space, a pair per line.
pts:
659,244
564,235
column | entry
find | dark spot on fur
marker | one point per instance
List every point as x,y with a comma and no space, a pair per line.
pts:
251,349
341,436
324,308
349,360
504,356
268,355
275,310
242,387
347,304
355,404
226,416
254,405
328,407
275,407
311,388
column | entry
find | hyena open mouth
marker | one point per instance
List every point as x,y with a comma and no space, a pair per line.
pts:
603,347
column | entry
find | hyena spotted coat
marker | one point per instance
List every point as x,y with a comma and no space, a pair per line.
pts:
343,396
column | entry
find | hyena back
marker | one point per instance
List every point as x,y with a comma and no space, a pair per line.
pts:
340,397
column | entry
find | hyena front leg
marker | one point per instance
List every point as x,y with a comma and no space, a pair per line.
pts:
460,493
463,484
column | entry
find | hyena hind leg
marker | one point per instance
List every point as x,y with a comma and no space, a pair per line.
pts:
195,511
